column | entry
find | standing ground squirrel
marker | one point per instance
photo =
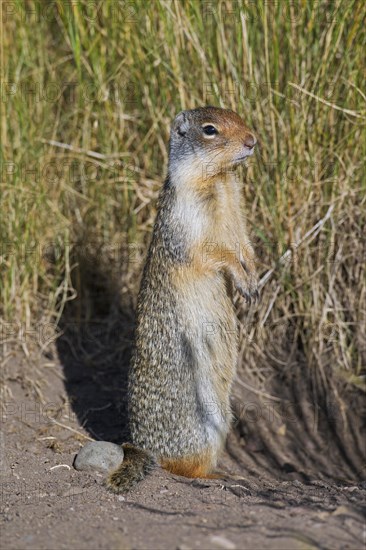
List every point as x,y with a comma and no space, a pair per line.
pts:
185,352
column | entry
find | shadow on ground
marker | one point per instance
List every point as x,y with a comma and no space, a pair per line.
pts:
94,349
301,429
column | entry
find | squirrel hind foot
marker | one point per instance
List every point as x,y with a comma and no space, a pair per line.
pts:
137,464
193,466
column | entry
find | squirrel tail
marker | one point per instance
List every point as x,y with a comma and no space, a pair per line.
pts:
136,465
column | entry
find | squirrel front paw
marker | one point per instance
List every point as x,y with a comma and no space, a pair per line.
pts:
249,290
247,283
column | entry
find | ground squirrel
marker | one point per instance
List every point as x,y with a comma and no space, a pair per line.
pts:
185,351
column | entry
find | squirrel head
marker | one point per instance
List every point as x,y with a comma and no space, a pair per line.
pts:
209,140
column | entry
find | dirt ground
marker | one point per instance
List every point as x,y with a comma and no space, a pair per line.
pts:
46,504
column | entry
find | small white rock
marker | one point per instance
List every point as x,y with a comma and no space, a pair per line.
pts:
222,542
100,456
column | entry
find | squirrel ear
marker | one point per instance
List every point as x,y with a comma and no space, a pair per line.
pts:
181,124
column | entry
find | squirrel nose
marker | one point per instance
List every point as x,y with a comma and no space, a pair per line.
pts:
250,141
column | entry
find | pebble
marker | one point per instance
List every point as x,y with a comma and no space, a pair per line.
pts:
222,542
100,456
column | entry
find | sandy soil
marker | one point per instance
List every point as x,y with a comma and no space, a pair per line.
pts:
46,504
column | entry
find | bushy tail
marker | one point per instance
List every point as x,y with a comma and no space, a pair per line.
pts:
136,465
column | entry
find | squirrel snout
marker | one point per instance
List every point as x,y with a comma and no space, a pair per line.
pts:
249,141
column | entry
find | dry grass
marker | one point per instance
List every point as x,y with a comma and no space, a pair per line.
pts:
89,90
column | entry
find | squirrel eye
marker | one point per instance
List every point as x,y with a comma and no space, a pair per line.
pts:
209,130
